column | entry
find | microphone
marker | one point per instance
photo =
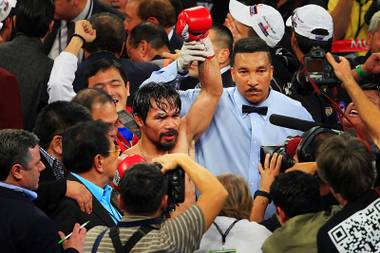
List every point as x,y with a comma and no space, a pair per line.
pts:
293,123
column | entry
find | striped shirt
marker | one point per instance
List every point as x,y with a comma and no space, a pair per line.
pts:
181,234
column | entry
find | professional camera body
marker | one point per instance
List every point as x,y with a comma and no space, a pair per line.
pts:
287,151
318,68
176,187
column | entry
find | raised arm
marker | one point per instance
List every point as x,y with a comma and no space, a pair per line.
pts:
369,113
63,72
203,108
341,13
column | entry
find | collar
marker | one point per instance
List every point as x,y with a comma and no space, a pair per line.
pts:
129,217
225,69
86,12
49,158
240,101
171,33
98,192
28,193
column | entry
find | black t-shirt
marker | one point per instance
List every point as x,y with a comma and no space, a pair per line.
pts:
356,228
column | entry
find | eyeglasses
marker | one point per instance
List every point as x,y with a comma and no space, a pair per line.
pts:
116,151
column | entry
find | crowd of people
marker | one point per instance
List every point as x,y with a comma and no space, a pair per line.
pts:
150,126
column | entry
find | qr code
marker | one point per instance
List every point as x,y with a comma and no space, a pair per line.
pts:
360,232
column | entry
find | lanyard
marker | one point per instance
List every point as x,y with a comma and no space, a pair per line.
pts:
224,235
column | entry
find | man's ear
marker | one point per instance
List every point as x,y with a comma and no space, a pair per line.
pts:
143,48
281,216
164,202
16,172
56,145
127,89
138,120
233,73
369,39
223,55
153,20
98,163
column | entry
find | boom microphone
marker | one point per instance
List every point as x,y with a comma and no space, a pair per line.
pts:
293,123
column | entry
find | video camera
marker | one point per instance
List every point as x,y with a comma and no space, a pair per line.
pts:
305,147
287,151
319,69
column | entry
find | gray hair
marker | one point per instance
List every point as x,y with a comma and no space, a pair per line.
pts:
374,24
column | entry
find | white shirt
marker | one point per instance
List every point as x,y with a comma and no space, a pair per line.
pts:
62,75
245,236
60,41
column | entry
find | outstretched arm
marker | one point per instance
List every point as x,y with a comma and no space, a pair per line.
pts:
63,72
342,9
369,113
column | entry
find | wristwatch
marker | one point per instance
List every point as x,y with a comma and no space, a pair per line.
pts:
263,194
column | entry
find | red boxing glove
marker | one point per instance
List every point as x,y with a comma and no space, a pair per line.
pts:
194,23
125,164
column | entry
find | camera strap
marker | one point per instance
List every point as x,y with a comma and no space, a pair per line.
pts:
145,226
335,106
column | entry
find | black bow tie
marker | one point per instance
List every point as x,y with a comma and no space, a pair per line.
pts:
250,109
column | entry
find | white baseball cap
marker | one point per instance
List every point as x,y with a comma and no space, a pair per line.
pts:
5,8
307,19
265,20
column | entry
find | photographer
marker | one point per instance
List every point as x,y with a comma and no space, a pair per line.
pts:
144,198
311,37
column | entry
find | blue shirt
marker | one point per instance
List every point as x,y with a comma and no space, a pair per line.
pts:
29,194
103,195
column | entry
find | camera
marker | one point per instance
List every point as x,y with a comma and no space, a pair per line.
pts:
318,68
176,187
287,159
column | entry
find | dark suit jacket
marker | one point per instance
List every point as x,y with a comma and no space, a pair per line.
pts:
137,72
227,79
68,213
50,190
24,227
175,42
24,58
98,7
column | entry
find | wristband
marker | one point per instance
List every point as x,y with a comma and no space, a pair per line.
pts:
79,36
263,194
360,71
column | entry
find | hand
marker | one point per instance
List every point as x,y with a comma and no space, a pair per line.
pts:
230,24
342,69
80,194
171,56
307,167
191,51
270,171
84,29
76,239
170,161
209,48
372,64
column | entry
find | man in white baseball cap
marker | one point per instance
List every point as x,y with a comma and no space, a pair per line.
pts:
6,23
312,27
265,21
